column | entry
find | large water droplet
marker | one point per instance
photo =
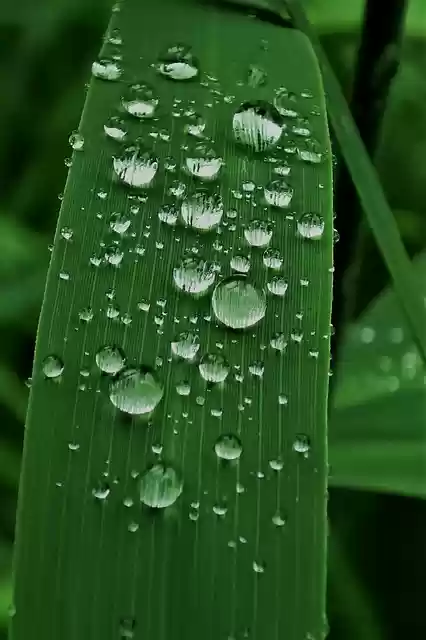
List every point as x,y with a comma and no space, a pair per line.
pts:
258,233
107,69
213,367
52,366
136,167
140,101
178,63
310,226
278,193
186,345
194,275
160,486
258,125
110,359
228,447
203,162
237,303
136,391
202,211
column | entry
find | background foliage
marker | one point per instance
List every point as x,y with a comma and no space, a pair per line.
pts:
377,552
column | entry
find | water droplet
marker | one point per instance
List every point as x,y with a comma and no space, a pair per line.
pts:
272,259
284,102
277,286
258,567
310,226
276,464
194,276
107,69
258,125
67,233
228,447
140,101
213,367
186,345
283,400
195,125
279,342
202,211
178,63
203,162
119,223
73,446
168,214
220,509
76,141
115,128
101,492
282,170
278,520
136,167
310,152
278,193
240,263
256,76
127,627
258,233
160,486
136,391
183,388
257,369
110,359
301,444
52,366
237,303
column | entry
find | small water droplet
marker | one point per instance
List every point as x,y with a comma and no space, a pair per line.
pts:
240,263
237,303
258,125
140,100
257,369
272,259
136,391
119,223
258,233
278,520
277,286
220,509
67,233
257,76
52,366
284,102
76,141
186,345
202,210
115,128
183,388
301,444
178,63
107,69
127,627
203,162
160,486
110,359
73,446
136,166
228,447
214,367
310,226
168,214
279,342
258,567
194,276
101,492
278,193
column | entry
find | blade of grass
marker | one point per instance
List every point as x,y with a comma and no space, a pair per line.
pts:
370,192
245,537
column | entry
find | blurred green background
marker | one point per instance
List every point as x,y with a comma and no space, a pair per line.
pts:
377,586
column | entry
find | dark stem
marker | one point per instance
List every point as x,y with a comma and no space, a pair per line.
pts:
377,64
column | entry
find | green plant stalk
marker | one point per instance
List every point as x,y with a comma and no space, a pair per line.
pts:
243,549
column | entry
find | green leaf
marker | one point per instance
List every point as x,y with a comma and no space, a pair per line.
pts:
377,426
242,549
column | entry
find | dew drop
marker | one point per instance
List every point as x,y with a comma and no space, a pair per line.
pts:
127,625
284,102
67,233
115,128
136,167
107,69
237,303
258,567
240,263
203,162
202,211
228,447
183,388
168,214
178,63
110,359
279,342
257,369
76,141
278,193
52,366
258,125
214,367
160,486
277,286
278,520
310,226
194,276
258,233
101,492
257,76
136,391
186,345
301,444
272,259
140,101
